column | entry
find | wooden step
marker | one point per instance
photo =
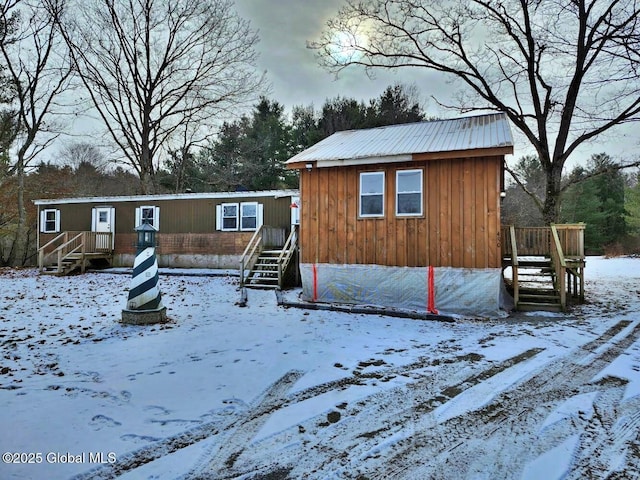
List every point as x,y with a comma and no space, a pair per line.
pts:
540,298
535,307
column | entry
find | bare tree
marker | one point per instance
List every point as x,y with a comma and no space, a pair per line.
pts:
39,72
78,154
155,67
564,71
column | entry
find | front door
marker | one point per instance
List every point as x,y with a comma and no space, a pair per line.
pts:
104,221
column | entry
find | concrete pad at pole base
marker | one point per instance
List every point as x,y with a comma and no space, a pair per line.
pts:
144,317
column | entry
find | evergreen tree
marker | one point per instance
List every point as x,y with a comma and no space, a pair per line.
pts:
596,197
632,205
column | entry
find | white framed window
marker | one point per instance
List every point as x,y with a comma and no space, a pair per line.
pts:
229,217
371,194
249,216
409,192
233,217
50,220
148,214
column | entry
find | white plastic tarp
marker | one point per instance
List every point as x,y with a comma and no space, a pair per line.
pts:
458,291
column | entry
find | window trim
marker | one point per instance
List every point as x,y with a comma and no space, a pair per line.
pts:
236,217
361,194
156,216
256,216
56,220
421,192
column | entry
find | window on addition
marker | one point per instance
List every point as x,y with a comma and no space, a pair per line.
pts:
371,194
409,192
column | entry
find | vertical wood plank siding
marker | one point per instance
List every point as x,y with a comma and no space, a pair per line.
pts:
460,225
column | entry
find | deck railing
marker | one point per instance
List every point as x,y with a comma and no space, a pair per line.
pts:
73,242
287,254
265,236
537,241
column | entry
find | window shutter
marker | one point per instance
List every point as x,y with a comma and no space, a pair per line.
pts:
94,220
57,220
218,217
43,220
156,217
260,216
138,216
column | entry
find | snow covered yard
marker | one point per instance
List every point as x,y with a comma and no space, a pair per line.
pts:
267,392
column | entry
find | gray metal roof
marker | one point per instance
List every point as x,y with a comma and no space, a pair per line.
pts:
170,196
468,133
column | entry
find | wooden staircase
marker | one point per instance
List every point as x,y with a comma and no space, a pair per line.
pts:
547,266
537,286
73,251
264,266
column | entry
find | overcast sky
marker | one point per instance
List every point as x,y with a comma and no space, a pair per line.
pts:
285,26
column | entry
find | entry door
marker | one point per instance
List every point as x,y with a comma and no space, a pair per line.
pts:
104,221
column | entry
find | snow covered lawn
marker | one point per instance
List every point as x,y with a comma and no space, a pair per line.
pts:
267,392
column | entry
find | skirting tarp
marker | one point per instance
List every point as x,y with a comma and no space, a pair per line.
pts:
477,292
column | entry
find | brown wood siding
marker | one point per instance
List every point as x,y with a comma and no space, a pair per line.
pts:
187,225
459,226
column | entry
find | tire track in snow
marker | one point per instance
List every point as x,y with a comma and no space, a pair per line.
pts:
436,450
391,410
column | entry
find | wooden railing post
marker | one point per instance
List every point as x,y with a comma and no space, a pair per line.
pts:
249,252
560,266
514,265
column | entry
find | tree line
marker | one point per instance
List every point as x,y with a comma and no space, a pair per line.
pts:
166,76
598,194
247,154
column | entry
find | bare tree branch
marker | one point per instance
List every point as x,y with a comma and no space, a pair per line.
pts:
156,67
563,72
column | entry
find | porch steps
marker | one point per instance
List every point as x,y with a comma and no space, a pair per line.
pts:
72,263
264,273
537,291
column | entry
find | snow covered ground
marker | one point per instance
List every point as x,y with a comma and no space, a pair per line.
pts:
264,392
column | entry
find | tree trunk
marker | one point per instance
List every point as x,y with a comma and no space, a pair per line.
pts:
20,247
551,206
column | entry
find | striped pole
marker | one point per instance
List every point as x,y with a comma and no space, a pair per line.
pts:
144,293
144,304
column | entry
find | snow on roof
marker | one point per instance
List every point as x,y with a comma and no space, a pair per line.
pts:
170,196
459,134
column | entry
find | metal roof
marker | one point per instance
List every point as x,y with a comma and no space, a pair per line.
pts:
170,196
459,134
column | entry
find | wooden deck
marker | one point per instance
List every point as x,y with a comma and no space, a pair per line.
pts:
72,251
547,265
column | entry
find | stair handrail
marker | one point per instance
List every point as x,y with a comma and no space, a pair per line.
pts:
62,255
514,265
41,255
286,254
249,253
559,265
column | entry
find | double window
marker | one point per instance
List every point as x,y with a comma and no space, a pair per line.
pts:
408,193
245,216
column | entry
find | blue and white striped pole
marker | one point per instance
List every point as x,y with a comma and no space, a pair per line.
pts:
144,304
